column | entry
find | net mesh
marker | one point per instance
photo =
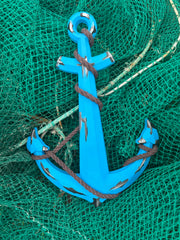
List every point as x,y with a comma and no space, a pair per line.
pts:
33,93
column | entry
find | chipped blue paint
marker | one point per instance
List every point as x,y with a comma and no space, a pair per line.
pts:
93,160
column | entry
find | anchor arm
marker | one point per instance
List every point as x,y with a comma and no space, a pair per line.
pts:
102,61
57,176
69,65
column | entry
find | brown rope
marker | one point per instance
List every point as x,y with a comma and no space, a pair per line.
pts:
89,36
81,59
89,96
150,152
34,157
78,179
51,154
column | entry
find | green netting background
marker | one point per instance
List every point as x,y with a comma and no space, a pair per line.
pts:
33,35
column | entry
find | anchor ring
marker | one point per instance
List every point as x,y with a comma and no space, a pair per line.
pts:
76,19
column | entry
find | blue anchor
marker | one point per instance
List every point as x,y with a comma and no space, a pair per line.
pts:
93,160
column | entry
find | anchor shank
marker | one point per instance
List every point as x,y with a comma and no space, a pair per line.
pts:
93,159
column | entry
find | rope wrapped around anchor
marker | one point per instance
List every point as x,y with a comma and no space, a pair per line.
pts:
51,154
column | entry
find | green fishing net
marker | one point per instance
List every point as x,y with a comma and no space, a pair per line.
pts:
143,37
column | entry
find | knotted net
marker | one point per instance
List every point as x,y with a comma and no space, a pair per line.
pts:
143,37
